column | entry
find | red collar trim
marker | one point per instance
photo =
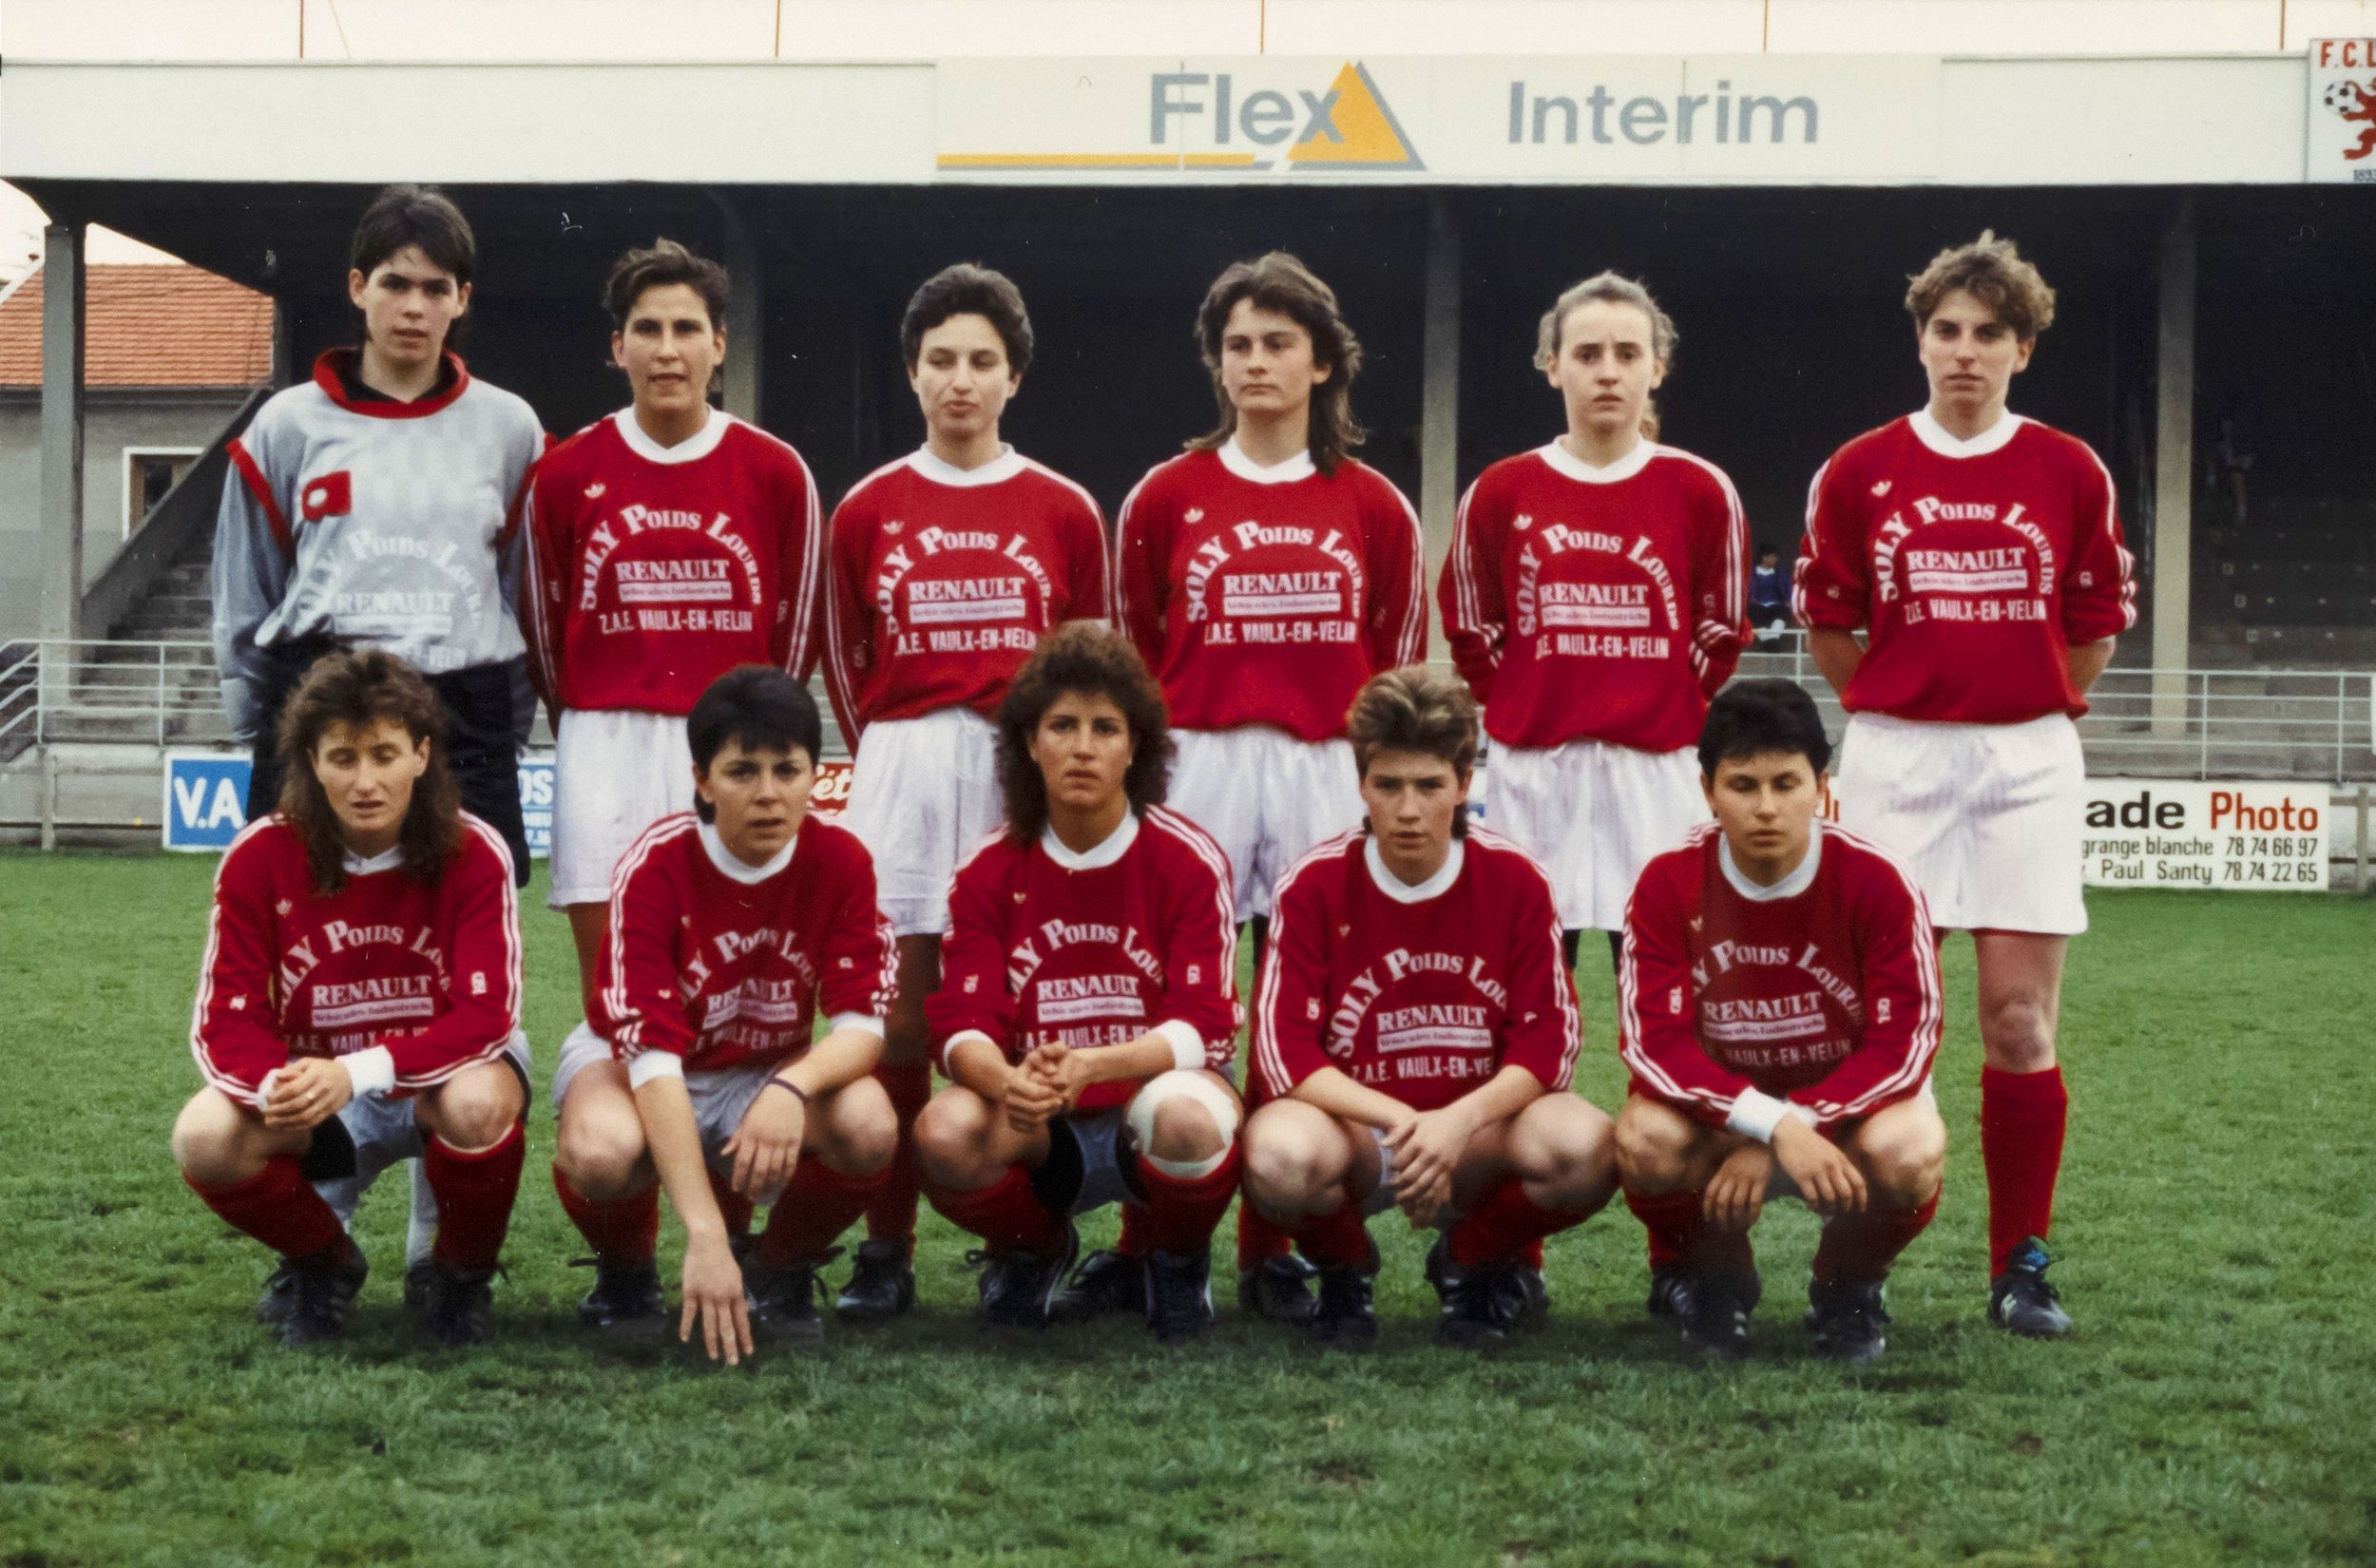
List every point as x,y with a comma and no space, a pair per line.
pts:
326,376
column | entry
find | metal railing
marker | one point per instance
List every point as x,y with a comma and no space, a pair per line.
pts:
2169,723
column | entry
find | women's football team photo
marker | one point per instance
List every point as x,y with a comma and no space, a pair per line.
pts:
1089,762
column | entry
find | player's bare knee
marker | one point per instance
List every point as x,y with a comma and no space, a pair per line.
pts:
860,1130
1183,1130
208,1139
951,1131
601,1157
476,1107
1652,1146
2017,1034
1282,1170
1906,1162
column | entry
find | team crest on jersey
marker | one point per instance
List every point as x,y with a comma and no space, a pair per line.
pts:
894,525
1523,522
1882,489
283,906
594,491
478,982
1195,514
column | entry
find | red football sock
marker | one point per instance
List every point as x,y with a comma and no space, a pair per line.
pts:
475,1190
732,1207
818,1205
1680,1236
2022,1119
1862,1246
1180,1213
1007,1213
621,1229
278,1206
890,1213
1502,1227
1259,1239
1339,1239
1138,1231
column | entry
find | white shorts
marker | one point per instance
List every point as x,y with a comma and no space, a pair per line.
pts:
384,1132
719,1098
1266,796
1594,816
1986,817
923,795
616,771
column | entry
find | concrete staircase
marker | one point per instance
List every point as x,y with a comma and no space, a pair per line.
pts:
151,695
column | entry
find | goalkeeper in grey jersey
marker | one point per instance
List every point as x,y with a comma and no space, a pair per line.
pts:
375,506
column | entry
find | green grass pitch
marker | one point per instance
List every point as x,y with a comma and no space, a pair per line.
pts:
2217,1405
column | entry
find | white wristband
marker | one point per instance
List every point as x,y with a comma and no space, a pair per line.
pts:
1187,1046
372,1072
948,1048
647,1065
1756,1115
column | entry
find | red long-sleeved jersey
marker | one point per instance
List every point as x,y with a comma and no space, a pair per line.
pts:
943,579
1422,996
726,964
1093,951
1268,596
409,983
1973,567
1597,604
1824,992
652,570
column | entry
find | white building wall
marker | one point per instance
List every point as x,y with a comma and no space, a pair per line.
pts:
911,29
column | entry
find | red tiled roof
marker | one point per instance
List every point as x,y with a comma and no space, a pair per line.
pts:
149,326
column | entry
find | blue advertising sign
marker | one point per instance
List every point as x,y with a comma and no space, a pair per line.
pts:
207,800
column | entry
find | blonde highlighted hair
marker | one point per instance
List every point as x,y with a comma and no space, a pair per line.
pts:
1414,709
1608,288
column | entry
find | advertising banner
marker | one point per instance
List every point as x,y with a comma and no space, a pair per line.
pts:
2149,833
2342,139
207,800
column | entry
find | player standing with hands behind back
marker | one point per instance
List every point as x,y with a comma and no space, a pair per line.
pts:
948,566
1264,575
1593,598
1981,554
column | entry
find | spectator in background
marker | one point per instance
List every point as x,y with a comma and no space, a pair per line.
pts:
1768,596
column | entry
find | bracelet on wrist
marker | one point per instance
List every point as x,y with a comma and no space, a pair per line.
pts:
788,1086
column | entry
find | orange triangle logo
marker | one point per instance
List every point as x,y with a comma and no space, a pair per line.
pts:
1359,131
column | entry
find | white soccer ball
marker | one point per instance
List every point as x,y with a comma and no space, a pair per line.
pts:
2344,97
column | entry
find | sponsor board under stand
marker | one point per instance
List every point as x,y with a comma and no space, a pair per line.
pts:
2150,832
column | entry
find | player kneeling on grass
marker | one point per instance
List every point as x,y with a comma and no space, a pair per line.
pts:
1415,1030
732,926
1779,995
359,1004
1088,1007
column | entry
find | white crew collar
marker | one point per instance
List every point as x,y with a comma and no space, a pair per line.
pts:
1567,462
691,449
1007,463
1405,893
1801,878
1097,856
387,860
733,866
1286,471
1932,434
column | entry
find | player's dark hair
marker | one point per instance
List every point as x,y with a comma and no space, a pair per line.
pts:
1760,719
759,707
1991,271
358,689
1415,709
966,289
1094,660
414,214
656,266
1608,288
1280,282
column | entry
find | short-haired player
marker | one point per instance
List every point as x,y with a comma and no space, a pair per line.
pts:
946,568
1264,575
1416,1030
1089,1012
1779,1000
734,928
1594,597
1980,553
669,543
359,1004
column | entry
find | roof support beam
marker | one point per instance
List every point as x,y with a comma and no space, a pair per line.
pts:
1439,396
61,319
2174,474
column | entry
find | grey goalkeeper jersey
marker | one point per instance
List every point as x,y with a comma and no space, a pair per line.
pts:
382,525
